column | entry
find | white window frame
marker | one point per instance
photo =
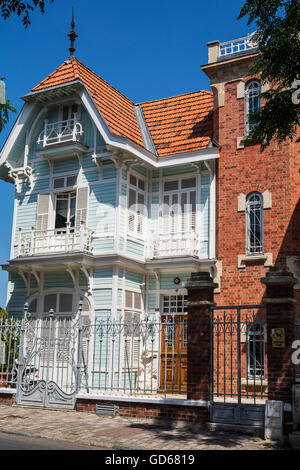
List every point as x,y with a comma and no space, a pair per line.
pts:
134,217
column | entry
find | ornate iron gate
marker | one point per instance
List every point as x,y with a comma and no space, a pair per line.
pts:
50,358
238,365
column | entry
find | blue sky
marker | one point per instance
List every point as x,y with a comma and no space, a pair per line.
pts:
147,50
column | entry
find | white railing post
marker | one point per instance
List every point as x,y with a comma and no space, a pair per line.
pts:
74,126
82,235
45,132
67,237
32,247
20,242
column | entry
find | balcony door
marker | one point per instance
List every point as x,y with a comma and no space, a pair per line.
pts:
179,206
65,210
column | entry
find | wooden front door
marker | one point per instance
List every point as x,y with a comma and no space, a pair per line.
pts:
173,362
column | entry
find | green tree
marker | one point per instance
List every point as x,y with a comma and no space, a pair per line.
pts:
278,38
9,340
23,10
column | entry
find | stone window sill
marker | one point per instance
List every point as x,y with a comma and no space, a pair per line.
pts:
244,259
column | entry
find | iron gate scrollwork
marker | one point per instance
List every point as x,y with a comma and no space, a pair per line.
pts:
49,369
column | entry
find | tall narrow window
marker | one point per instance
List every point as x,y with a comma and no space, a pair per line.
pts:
255,350
252,103
254,224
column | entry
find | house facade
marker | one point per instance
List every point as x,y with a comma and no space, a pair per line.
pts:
117,203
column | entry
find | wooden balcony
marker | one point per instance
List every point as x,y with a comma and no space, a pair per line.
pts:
181,244
63,240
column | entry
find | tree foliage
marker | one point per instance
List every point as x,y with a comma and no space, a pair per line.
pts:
278,64
23,10
20,8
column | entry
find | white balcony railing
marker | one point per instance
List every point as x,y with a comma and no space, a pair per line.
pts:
69,130
63,240
237,45
174,244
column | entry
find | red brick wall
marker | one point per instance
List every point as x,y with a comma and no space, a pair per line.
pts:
150,411
243,171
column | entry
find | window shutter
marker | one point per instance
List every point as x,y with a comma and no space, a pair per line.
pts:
82,203
42,212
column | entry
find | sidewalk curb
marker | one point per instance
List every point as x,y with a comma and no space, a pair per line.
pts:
80,442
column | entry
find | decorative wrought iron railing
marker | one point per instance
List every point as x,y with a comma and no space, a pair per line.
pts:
63,240
237,45
128,355
61,131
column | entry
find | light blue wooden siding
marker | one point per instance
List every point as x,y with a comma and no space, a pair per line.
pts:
140,169
90,176
87,162
66,165
105,244
103,276
152,282
154,212
88,130
102,203
133,279
123,203
15,305
102,296
204,220
26,208
16,154
41,168
108,170
54,279
16,282
179,170
152,302
167,280
135,248
120,298
41,185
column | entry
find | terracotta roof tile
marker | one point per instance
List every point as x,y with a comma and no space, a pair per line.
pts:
178,124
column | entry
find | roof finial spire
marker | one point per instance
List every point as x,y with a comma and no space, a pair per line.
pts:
72,35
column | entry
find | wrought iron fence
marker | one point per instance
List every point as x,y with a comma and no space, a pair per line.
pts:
127,355
297,337
238,354
10,332
133,356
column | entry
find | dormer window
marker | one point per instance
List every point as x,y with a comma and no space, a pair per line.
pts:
252,103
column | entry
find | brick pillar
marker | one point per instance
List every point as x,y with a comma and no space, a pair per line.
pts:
200,298
279,300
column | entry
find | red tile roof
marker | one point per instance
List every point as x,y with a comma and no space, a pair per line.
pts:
177,124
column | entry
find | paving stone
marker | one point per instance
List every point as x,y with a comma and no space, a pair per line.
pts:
118,433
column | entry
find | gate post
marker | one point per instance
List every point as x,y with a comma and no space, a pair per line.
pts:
280,313
200,299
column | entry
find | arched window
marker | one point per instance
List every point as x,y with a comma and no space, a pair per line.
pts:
254,224
252,103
